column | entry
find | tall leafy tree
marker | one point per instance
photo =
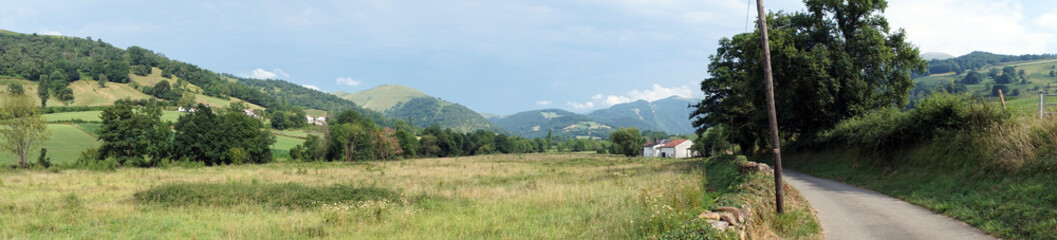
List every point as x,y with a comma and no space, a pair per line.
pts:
838,59
209,137
626,141
132,134
24,127
42,91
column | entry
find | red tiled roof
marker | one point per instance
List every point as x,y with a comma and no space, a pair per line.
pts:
674,143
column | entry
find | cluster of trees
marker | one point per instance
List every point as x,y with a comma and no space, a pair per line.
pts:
836,60
351,137
133,134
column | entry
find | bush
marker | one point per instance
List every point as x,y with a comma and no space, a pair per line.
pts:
889,129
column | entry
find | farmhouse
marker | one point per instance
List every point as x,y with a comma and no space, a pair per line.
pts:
669,148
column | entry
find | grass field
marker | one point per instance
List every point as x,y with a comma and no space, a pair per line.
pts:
64,146
286,143
532,196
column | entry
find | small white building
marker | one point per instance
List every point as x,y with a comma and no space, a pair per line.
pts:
669,148
316,120
249,112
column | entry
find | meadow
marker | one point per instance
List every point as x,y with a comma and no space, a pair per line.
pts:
64,146
531,196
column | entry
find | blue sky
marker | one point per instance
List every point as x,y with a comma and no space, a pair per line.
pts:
494,56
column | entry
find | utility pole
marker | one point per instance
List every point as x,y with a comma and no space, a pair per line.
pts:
771,115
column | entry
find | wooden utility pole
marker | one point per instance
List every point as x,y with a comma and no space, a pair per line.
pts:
771,115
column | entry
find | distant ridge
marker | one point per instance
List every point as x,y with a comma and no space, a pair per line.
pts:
936,56
422,110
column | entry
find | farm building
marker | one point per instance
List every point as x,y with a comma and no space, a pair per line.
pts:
669,148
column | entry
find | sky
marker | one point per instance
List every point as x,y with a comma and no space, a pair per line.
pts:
502,56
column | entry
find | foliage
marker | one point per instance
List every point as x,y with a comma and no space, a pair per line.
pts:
973,77
43,159
626,141
134,134
837,60
890,130
23,128
15,89
208,137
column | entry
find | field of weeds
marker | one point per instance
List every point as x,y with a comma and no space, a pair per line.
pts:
534,196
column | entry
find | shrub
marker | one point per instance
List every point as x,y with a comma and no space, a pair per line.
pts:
889,129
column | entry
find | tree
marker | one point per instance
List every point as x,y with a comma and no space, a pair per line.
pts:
1053,73
627,141
15,89
993,72
839,59
162,90
131,133
42,91
279,120
429,145
387,144
973,77
209,137
408,143
187,100
102,80
24,127
997,87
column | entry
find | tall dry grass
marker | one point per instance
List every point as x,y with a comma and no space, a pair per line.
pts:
536,196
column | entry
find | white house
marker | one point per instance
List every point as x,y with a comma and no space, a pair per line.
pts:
677,148
321,120
249,112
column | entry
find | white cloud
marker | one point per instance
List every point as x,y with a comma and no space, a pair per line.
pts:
260,73
50,32
309,86
1048,20
958,27
656,92
585,105
348,81
543,103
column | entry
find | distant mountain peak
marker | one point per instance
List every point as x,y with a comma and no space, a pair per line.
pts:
936,56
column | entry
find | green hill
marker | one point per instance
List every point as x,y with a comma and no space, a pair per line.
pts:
404,103
383,97
557,122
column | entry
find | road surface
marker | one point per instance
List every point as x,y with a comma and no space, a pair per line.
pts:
848,212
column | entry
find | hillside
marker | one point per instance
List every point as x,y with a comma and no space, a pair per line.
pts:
383,97
429,111
557,122
421,110
1035,76
671,115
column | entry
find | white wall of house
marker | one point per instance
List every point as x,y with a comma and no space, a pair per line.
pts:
679,151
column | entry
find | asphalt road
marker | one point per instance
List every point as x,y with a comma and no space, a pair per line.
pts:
848,212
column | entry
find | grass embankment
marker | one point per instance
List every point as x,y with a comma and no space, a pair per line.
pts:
534,196
727,186
987,167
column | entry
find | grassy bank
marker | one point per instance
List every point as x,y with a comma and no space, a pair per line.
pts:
957,156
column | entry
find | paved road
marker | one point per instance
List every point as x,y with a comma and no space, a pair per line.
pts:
848,212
